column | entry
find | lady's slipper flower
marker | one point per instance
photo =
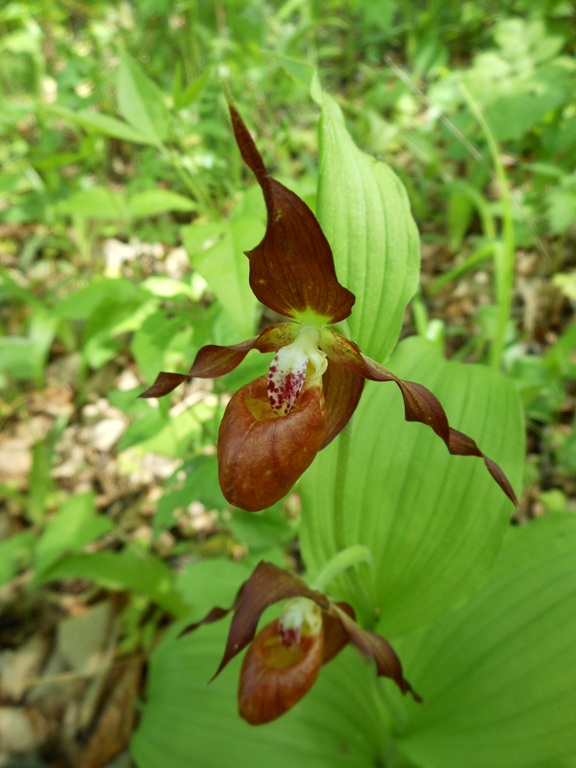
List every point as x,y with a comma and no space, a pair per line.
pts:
285,657
273,427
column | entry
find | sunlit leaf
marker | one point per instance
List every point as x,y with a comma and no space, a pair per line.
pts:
97,203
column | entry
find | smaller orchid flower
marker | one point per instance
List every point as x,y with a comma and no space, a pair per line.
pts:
286,656
273,427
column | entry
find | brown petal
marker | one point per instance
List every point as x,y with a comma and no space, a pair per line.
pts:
213,615
342,390
419,403
210,362
165,382
462,445
276,676
375,647
292,269
262,454
335,636
267,585
214,360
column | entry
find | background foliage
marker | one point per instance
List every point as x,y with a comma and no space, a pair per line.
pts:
124,215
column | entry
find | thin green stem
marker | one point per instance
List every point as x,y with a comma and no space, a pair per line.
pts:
340,486
346,558
504,250
190,181
344,549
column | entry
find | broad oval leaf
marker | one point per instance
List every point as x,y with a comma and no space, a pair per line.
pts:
434,522
498,676
364,211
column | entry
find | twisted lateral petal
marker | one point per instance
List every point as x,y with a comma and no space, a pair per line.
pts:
210,362
375,647
214,360
164,383
262,454
419,403
292,269
462,445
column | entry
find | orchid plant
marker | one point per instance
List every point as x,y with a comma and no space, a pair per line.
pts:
272,430
274,427
399,537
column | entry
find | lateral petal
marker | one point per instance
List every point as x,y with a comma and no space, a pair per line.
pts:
376,647
462,445
419,403
214,360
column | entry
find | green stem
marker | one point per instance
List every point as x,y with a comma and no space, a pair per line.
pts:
346,558
353,555
190,181
340,486
504,250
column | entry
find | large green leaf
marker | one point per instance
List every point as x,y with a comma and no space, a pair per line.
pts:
365,213
433,522
498,676
187,723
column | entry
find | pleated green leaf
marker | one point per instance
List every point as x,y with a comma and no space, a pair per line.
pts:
364,211
499,675
188,723
433,522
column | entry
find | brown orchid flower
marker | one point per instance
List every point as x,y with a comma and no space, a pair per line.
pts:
285,657
273,427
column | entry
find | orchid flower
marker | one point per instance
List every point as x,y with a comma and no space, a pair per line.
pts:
274,426
286,656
